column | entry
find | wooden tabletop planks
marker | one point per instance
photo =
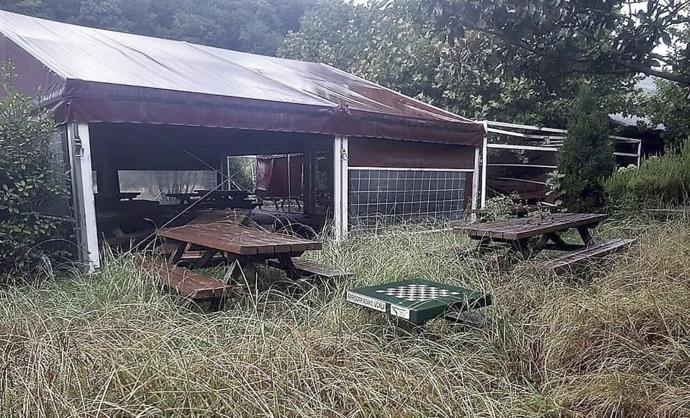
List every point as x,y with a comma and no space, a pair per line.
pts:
515,229
238,239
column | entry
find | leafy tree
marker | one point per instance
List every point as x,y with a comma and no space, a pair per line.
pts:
244,25
395,45
670,106
30,184
560,38
587,155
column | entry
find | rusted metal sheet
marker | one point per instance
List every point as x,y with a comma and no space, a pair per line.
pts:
368,152
91,75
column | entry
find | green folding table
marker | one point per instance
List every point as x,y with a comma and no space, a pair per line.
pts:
417,300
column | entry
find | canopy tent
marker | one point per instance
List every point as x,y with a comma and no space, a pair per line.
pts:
139,104
92,75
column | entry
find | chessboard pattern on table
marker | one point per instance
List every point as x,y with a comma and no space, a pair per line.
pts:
417,300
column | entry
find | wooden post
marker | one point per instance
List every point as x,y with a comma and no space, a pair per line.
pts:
82,194
341,186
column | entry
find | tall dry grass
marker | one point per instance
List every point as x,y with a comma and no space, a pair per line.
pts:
613,341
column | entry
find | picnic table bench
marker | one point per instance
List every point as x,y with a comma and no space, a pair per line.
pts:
309,270
566,261
191,284
242,248
529,236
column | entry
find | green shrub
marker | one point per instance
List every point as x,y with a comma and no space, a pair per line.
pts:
659,181
669,106
29,185
586,157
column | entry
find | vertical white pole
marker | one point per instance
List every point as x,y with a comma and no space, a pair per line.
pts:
82,191
639,153
340,187
475,185
485,162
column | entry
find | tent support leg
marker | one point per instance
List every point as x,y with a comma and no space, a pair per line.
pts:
83,196
341,186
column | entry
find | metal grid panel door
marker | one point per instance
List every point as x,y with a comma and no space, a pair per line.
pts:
386,196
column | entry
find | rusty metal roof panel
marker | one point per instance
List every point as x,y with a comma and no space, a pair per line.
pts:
94,75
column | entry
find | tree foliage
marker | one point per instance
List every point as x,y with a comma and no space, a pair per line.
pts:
560,38
30,183
586,158
244,25
398,46
670,106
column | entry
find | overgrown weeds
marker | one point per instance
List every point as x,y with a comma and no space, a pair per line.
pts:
112,345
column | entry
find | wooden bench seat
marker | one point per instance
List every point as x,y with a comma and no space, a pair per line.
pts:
191,284
570,259
308,268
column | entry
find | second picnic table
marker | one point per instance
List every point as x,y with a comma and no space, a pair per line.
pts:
528,236
242,246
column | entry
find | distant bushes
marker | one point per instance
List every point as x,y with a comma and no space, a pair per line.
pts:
660,181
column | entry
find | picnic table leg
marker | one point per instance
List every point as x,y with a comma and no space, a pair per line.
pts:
288,267
585,235
539,244
231,272
217,303
528,247
176,255
522,247
556,239
206,258
483,245
249,273
240,270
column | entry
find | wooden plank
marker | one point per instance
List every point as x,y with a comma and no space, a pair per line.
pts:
559,264
188,283
515,229
237,239
310,268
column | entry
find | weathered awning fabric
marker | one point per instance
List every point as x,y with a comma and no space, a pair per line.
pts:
91,75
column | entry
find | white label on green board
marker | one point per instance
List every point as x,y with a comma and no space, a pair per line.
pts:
400,311
366,301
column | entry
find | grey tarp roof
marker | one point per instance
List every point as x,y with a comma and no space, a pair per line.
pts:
93,75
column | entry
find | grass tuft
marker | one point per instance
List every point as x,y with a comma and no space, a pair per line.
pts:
611,341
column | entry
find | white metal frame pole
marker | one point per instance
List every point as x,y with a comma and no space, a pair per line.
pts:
82,194
475,185
341,188
485,162
639,153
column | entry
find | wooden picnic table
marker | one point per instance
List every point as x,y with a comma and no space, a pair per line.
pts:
528,236
242,247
